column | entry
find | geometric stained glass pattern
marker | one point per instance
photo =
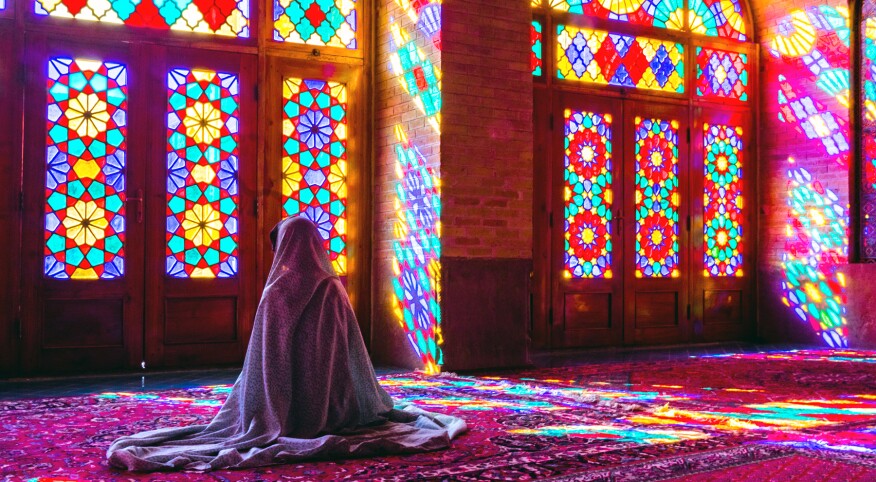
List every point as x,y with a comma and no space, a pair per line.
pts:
330,23
219,17
722,198
717,18
816,244
417,253
602,57
656,198
203,124
722,74
535,56
315,160
658,13
85,169
588,195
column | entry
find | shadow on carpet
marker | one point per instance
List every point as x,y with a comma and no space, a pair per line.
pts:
799,415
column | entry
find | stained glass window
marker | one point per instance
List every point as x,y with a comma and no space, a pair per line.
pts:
722,74
722,200
656,198
85,169
588,195
220,17
717,18
535,40
331,23
315,160
658,13
610,58
203,123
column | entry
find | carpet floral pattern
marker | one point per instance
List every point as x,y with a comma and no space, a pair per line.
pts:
794,415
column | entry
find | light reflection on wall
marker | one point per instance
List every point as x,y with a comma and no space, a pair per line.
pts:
816,244
417,227
811,46
416,264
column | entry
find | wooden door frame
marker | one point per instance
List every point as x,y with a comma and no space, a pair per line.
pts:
359,170
658,110
39,48
10,211
158,351
560,286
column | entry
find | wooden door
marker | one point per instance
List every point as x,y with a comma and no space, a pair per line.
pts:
722,186
201,205
587,233
83,220
656,224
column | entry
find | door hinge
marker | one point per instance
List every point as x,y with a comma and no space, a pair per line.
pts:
255,92
18,329
21,202
688,223
256,207
551,121
551,220
688,135
688,311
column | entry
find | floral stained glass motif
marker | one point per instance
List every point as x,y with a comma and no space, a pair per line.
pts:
219,17
315,160
602,57
717,18
85,169
657,13
535,40
203,123
656,198
417,253
588,195
722,74
722,200
330,23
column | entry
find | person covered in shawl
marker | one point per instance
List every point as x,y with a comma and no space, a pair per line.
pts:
307,389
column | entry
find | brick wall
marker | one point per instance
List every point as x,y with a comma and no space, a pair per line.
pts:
486,139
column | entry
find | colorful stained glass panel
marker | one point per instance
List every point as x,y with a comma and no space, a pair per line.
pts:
85,169
722,200
588,195
220,17
602,57
203,123
315,160
330,23
656,198
657,13
722,74
717,18
535,40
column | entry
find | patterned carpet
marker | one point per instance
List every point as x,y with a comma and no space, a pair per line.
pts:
799,415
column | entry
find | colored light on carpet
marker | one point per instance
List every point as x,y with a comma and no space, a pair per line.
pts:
836,356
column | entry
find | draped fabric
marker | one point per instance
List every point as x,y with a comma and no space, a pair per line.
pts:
307,389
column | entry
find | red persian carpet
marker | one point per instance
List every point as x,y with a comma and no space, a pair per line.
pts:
798,415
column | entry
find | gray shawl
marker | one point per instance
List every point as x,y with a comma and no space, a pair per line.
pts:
307,389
